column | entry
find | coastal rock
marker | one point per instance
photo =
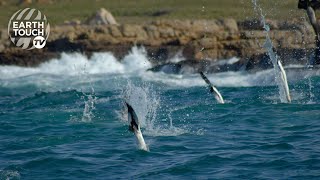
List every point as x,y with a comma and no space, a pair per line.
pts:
25,2
208,42
133,31
115,32
2,2
152,31
230,25
205,26
254,34
44,1
2,47
197,40
72,22
257,24
101,17
166,32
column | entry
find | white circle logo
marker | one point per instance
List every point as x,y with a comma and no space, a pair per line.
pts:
29,29
39,42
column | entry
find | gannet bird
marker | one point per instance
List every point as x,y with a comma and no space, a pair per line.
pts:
213,89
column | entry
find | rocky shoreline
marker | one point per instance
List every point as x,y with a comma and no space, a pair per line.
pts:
201,42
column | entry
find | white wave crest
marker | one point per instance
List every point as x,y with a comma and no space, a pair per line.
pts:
76,63
104,71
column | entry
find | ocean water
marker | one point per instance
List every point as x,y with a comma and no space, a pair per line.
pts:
65,120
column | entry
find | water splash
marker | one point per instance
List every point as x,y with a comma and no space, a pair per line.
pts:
178,57
136,60
9,174
311,95
89,106
170,119
173,130
146,102
273,56
89,98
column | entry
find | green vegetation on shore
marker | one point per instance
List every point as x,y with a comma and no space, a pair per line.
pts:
140,11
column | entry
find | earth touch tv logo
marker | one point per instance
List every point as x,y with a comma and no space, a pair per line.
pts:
29,28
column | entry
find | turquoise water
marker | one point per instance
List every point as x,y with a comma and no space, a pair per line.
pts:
69,124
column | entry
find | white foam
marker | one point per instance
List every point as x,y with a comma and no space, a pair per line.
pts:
228,61
225,79
104,71
177,58
136,60
75,63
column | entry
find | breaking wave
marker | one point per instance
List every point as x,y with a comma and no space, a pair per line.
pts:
103,70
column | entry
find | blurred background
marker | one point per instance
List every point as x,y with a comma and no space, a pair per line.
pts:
140,11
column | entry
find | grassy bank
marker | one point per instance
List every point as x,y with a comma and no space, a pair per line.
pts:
138,11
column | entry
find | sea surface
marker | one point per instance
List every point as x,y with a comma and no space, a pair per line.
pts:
65,120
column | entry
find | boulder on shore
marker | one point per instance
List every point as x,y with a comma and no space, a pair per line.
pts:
101,17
